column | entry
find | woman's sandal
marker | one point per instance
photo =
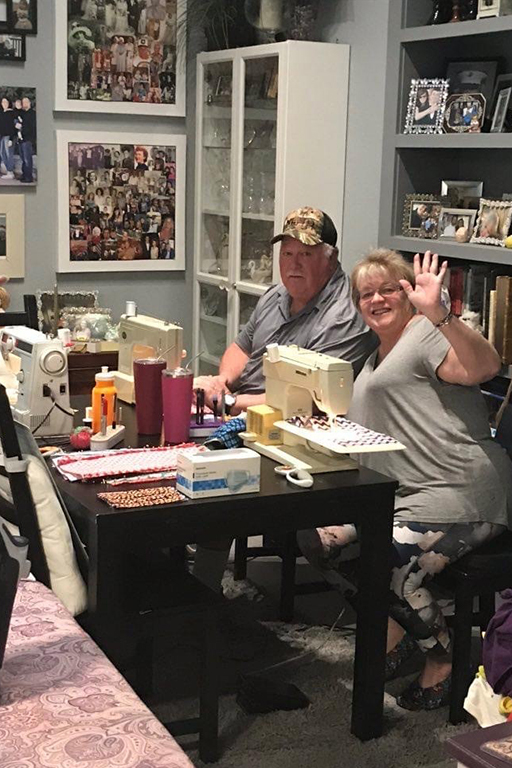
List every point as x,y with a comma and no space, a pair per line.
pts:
414,697
398,655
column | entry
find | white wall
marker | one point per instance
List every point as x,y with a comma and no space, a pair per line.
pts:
363,25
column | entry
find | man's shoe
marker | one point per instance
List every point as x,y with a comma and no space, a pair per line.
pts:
414,697
8,175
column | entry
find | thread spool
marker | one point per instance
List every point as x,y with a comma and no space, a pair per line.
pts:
131,309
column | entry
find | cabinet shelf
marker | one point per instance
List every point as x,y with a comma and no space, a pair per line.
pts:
258,216
217,111
451,249
454,140
213,319
460,29
214,212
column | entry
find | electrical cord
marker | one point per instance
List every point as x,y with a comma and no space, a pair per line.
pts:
47,390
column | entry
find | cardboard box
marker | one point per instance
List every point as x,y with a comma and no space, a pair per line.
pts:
218,473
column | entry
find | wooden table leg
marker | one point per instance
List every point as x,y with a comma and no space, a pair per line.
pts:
372,614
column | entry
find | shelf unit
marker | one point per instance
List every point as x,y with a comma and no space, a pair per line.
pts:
415,164
262,149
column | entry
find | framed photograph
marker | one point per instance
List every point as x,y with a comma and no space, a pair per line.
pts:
51,304
12,235
121,201
488,8
472,77
421,216
493,222
3,16
12,48
223,87
120,56
18,155
456,224
462,194
464,113
22,16
500,111
503,82
425,108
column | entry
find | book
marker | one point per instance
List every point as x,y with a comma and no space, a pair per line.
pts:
456,290
468,748
503,332
491,328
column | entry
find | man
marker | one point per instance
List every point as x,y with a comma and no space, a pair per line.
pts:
312,308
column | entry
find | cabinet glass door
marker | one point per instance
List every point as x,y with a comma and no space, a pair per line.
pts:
259,167
247,304
216,168
213,313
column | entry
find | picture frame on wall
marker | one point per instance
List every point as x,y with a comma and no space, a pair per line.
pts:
22,16
121,201
3,16
456,224
19,159
121,58
464,113
421,216
12,48
493,222
12,235
426,105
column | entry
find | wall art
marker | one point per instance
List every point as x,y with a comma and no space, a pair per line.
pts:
18,136
121,56
12,48
121,201
22,16
12,235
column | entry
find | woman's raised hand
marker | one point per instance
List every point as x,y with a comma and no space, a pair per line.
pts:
426,295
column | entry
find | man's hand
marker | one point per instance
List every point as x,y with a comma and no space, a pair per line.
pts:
213,386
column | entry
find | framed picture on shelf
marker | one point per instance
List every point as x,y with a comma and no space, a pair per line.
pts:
223,87
462,194
12,48
22,16
464,113
12,235
20,158
502,83
456,224
500,111
52,303
472,77
493,222
421,216
120,57
426,105
121,201
487,8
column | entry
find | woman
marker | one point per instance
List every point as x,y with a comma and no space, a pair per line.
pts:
426,105
7,136
455,490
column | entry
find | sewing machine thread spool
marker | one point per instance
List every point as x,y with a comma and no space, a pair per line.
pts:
147,376
177,402
131,309
104,387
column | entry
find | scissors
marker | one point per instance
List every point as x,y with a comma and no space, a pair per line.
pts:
294,475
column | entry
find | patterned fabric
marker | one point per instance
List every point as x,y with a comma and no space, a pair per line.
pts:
420,551
141,497
63,704
227,435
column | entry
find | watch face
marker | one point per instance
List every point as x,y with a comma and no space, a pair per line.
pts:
229,400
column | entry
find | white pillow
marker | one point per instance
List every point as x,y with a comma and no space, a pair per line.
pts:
65,578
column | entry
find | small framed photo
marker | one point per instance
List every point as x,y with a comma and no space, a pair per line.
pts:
456,224
488,8
472,77
12,48
425,108
493,222
464,113
12,235
52,303
271,90
223,87
22,16
421,216
500,110
462,194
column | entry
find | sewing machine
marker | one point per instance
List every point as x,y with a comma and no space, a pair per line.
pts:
34,370
295,378
143,336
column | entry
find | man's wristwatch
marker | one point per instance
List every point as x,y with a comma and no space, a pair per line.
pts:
229,402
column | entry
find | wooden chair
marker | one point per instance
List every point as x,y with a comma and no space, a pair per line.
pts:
154,594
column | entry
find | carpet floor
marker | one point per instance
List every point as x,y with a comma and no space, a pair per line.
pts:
316,736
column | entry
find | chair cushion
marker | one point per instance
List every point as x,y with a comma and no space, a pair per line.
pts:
65,578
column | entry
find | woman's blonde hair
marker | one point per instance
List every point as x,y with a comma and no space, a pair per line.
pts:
381,260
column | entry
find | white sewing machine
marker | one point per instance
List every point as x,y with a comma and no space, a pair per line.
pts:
143,336
296,377
34,370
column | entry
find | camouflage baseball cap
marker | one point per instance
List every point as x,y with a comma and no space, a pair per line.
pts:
310,226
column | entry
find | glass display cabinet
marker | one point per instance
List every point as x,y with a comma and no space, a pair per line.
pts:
270,137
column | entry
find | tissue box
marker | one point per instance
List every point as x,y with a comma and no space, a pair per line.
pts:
218,473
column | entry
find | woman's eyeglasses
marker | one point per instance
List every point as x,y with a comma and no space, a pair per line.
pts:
385,291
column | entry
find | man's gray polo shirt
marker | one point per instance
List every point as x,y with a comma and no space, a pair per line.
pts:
329,323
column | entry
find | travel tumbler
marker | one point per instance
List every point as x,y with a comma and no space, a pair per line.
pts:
177,400
147,377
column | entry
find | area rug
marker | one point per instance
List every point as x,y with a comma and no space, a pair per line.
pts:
317,736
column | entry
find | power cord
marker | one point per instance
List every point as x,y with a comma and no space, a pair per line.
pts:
47,391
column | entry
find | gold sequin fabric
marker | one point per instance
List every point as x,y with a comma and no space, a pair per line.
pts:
141,497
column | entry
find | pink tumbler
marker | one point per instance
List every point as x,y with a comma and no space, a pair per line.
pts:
147,377
177,400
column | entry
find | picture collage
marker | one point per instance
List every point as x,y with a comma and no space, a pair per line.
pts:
122,50
122,200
